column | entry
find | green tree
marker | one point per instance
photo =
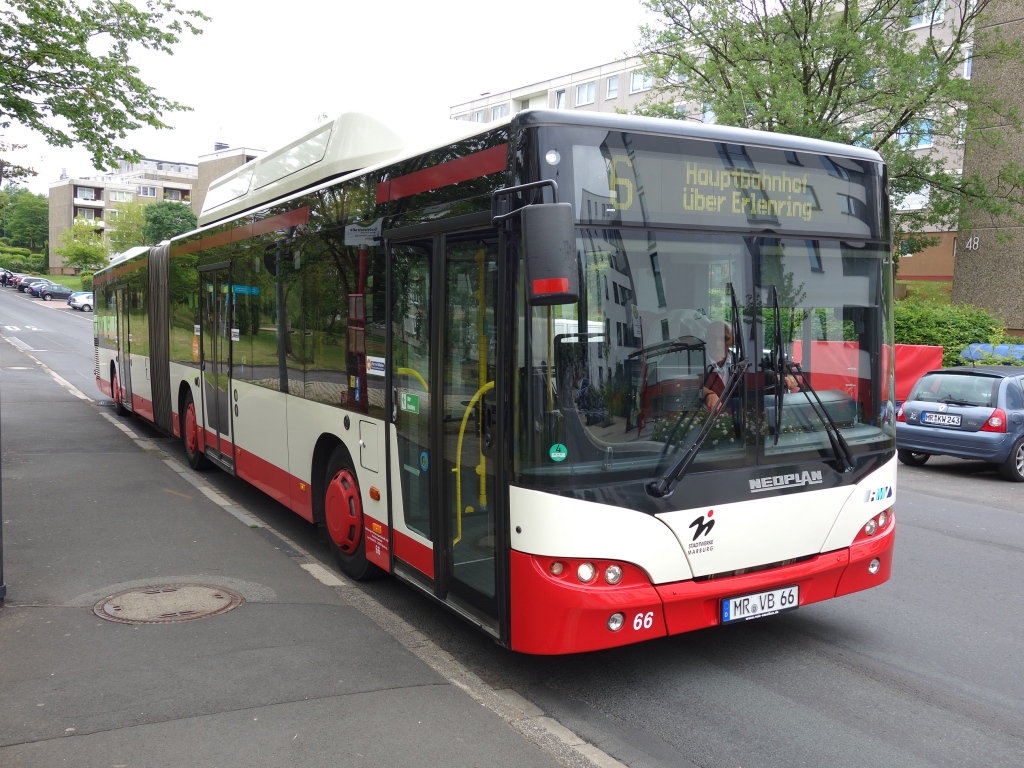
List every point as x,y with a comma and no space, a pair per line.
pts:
166,219
850,71
10,171
28,220
124,228
82,246
66,71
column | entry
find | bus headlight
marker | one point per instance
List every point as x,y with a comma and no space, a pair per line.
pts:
615,622
556,568
613,574
871,527
882,520
586,572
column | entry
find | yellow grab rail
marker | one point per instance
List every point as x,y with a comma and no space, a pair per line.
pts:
457,469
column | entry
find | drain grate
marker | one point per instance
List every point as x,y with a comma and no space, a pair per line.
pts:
167,603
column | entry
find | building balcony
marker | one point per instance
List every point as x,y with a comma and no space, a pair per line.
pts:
82,202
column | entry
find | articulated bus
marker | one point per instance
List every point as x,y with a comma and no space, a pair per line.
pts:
482,364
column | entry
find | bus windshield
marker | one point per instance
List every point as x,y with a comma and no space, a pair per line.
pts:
620,394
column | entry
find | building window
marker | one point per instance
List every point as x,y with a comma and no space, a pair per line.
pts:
585,93
113,213
927,12
499,112
612,87
478,116
85,213
707,114
640,81
968,63
559,99
119,196
86,193
146,191
172,194
917,136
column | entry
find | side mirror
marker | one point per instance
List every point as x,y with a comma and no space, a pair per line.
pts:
549,254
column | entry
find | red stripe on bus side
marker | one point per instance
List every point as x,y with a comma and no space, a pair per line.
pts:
269,478
463,169
415,554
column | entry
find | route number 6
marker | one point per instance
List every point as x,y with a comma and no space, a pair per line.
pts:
643,620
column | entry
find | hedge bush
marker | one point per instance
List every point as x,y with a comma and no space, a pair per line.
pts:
951,327
22,262
86,280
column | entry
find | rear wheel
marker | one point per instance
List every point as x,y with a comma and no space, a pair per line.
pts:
912,458
343,517
190,434
115,390
47,296
87,307
1013,467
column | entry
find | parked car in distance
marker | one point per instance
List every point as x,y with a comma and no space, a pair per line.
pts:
75,293
25,282
970,413
55,291
36,289
82,301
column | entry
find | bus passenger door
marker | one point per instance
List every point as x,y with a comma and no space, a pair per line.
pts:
216,318
411,457
124,349
467,402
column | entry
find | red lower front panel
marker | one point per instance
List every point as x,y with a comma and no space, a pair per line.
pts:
554,615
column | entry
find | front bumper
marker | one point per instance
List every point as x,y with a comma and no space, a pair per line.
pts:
552,616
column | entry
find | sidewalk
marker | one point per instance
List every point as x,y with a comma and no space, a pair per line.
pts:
298,674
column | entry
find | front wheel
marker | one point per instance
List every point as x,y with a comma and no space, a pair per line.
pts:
343,517
190,434
47,297
1013,468
912,458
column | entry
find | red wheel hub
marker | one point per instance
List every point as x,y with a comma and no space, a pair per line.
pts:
343,510
191,433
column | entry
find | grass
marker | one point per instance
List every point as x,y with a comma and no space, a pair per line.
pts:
74,282
928,290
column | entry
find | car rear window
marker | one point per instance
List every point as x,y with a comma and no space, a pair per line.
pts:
957,388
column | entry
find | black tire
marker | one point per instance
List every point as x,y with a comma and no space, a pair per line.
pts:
912,458
87,307
115,393
47,296
343,519
1013,468
188,426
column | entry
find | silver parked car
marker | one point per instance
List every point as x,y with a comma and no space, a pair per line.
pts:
971,413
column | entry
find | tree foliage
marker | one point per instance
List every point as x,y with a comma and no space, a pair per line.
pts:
124,229
11,171
82,246
28,220
66,71
166,219
848,71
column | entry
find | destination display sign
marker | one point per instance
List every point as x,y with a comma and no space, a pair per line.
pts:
724,186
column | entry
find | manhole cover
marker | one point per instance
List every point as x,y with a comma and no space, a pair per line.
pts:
167,603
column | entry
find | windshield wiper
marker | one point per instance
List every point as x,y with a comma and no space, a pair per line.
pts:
840,448
781,366
664,484
737,372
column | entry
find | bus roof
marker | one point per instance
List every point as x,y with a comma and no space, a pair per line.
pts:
355,142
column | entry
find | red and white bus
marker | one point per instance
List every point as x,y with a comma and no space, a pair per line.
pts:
481,364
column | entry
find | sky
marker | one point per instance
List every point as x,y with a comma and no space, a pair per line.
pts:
261,73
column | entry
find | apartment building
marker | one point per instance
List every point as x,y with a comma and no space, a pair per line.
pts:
95,198
624,85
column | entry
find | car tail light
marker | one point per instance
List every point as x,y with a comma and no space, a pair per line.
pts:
899,414
996,422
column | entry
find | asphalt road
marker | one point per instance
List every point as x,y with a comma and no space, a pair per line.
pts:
926,670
